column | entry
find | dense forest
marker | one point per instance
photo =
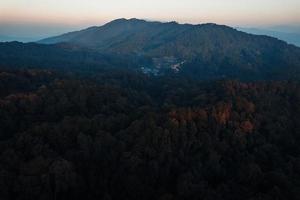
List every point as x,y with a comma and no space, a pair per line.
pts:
120,134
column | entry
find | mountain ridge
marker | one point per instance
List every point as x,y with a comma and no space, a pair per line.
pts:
126,25
132,35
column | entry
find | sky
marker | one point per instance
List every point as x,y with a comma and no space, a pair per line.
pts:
39,18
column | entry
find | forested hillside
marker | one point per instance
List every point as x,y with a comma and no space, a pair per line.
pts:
121,134
277,65
148,110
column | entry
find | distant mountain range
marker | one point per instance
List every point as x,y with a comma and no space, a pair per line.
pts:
205,51
5,38
289,37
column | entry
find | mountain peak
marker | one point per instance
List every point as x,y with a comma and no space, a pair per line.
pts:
117,21
124,20
136,20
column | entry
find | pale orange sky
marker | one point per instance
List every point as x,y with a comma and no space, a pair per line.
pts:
37,19
231,12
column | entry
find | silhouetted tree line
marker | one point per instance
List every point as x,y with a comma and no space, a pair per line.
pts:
123,135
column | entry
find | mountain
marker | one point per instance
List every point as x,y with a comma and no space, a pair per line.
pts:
289,37
205,50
